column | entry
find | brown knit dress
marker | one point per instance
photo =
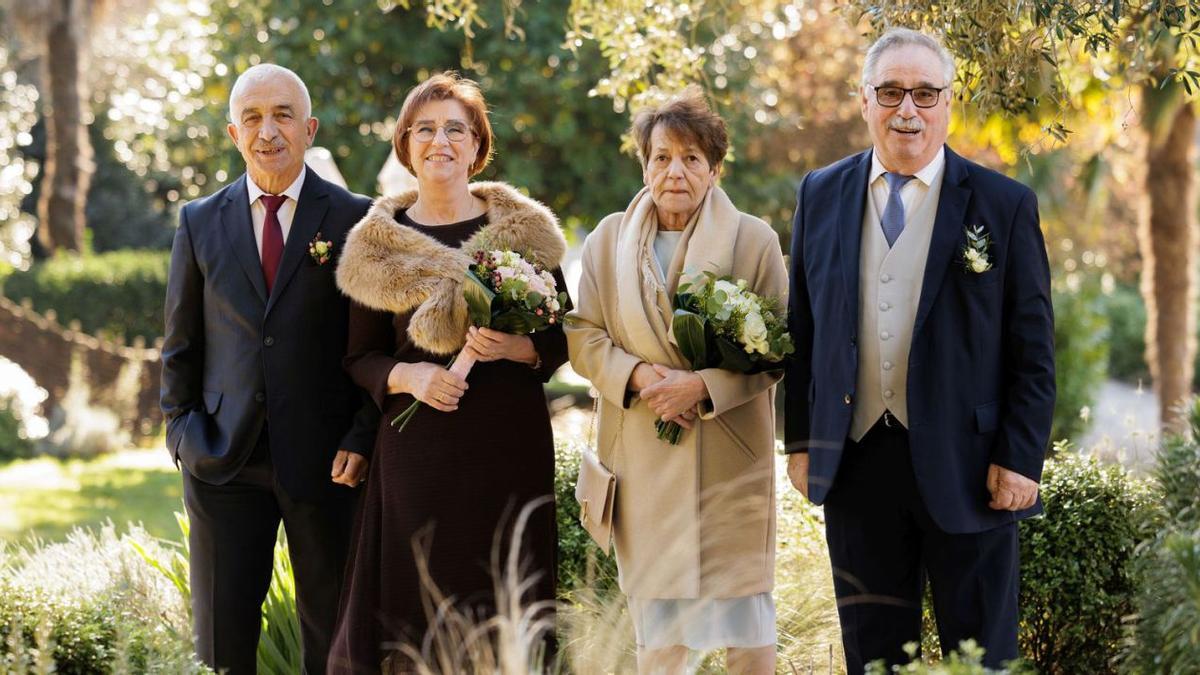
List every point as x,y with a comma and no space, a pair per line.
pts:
445,486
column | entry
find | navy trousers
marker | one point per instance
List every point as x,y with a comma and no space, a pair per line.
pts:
883,544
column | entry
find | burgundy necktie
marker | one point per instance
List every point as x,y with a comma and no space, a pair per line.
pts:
272,239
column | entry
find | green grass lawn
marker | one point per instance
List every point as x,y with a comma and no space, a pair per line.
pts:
46,498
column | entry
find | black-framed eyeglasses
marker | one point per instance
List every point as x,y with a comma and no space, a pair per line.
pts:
922,97
425,132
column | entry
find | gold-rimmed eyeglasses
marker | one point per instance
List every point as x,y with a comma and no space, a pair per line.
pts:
922,97
424,132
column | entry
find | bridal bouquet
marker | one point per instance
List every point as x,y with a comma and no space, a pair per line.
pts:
507,293
719,323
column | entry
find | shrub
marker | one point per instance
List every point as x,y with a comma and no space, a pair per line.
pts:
118,294
580,562
1078,579
14,443
1126,313
1127,338
1166,635
1080,348
92,605
20,423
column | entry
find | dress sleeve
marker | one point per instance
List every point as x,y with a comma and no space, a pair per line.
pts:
370,350
551,344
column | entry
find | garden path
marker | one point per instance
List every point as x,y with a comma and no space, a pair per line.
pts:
1124,425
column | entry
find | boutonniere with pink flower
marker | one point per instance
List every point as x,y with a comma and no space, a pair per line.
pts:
975,253
319,250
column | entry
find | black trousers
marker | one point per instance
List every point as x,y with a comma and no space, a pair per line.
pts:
233,531
883,543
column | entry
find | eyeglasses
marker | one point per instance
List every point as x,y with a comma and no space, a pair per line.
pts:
423,132
922,97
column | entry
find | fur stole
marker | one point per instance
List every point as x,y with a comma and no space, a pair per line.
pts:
391,267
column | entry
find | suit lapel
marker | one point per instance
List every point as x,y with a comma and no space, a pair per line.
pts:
310,213
239,229
947,228
850,220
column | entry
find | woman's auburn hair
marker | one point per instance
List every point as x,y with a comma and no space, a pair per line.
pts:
447,86
685,116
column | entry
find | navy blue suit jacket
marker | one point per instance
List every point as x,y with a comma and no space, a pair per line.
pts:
981,366
235,358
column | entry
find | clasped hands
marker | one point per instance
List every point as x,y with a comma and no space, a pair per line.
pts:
441,389
672,394
1010,490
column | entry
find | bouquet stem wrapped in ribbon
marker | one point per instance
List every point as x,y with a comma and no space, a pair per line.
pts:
720,323
507,293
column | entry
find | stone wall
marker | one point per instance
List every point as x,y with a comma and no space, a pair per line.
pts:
121,378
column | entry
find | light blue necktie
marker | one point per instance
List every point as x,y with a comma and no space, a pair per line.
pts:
893,213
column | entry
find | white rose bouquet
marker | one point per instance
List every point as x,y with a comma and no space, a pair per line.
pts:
720,323
507,293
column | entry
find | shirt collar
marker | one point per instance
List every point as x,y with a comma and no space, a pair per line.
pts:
926,175
292,191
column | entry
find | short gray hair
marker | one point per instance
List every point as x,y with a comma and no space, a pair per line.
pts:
266,71
895,38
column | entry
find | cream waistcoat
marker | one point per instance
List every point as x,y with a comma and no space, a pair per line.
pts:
890,288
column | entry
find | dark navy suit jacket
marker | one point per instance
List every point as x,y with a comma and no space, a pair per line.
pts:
981,366
235,358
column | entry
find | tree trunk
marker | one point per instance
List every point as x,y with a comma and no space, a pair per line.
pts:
68,167
1169,243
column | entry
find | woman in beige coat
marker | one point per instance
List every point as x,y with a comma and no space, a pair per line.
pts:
694,523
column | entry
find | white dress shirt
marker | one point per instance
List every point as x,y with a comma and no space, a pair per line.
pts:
287,210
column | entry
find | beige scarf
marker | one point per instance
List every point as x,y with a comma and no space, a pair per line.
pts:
644,299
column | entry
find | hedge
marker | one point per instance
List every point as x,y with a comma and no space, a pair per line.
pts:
119,294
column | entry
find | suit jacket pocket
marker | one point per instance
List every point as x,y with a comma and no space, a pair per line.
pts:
987,417
212,401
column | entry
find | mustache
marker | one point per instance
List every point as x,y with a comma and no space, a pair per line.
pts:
269,146
914,124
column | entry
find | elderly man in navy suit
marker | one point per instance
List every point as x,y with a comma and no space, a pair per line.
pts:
919,402
258,409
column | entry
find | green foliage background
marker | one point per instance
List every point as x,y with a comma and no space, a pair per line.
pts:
358,62
117,294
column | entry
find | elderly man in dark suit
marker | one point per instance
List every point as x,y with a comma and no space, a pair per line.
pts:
258,410
919,402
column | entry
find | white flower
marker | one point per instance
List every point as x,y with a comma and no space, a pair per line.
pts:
978,264
754,334
729,289
972,255
552,305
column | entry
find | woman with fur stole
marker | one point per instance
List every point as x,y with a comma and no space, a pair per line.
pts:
444,494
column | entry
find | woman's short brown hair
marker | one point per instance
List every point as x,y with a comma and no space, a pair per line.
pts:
443,87
685,116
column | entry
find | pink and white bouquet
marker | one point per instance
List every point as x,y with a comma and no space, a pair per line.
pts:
507,293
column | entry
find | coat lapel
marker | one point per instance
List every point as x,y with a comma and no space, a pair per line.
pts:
947,228
239,229
850,222
310,213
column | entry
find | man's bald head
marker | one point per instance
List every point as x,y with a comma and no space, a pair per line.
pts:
264,72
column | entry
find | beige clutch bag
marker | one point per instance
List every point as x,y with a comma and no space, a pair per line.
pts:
596,490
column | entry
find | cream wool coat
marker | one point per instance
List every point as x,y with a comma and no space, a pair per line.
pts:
694,520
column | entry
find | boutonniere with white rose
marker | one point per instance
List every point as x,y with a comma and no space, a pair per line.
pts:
975,253
319,250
